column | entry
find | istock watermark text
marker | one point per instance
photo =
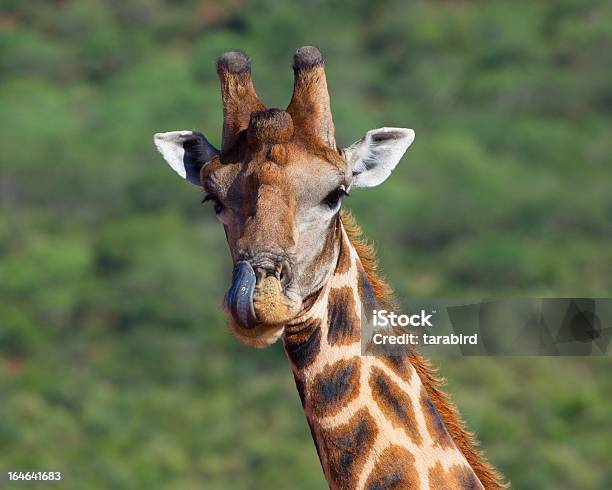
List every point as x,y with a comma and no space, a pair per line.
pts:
384,318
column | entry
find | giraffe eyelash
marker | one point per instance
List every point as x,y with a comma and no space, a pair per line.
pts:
333,198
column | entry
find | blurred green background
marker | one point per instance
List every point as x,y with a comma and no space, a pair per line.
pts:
116,365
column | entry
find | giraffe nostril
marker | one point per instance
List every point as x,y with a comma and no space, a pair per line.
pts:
263,272
276,267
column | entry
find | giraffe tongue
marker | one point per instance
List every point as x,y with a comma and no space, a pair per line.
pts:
240,294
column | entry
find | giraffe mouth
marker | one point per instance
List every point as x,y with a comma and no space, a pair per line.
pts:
271,303
261,302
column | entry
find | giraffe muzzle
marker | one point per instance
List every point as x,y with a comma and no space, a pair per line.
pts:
239,298
260,296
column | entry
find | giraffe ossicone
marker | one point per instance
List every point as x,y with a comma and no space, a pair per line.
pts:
302,273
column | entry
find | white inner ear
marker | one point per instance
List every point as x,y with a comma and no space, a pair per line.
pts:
374,156
170,145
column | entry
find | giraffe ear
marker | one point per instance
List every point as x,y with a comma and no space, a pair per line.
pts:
374,156
186,152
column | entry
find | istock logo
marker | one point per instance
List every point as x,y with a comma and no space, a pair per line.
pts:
384,318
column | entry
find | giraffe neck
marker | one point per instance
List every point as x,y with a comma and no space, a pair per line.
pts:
372,421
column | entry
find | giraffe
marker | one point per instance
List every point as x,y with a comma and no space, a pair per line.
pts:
302,272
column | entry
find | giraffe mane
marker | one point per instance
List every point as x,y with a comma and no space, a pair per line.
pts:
367,256
465,440
490,478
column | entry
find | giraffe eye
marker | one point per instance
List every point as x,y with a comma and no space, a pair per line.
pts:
333,198
217,205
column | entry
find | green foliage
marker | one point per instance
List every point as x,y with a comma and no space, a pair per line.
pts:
116,366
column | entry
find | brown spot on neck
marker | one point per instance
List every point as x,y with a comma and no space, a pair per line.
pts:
348,447
457,477
435,426
394,470
334,387
343,323
399,365
394,403
303,342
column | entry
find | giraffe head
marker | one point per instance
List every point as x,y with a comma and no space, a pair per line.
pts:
277,185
